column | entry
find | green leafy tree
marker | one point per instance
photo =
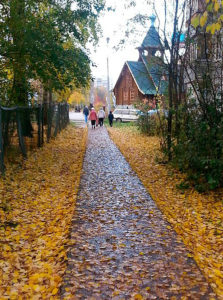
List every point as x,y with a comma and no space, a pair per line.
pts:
46,40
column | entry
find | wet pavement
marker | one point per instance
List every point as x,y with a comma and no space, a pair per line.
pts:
77,118
121,245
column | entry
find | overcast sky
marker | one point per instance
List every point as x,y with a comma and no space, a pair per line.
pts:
114,25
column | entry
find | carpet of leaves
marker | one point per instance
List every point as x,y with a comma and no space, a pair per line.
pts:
121,245
37,202
197,218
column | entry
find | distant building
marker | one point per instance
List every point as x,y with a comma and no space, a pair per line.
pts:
100,82
142,80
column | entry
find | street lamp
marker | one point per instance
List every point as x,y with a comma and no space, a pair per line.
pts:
108,83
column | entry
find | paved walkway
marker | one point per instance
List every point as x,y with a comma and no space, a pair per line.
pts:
77,118
122,247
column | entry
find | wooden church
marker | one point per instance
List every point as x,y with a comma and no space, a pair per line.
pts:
142,80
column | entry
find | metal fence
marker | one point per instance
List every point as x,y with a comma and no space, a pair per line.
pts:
25,128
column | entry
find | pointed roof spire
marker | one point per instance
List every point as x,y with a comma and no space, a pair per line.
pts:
152,19
152,39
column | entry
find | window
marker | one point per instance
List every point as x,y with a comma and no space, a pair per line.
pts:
218,48
125,111
118,111
193,52
132,94
133,112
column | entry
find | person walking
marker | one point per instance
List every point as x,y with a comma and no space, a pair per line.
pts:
110,118
101,116
86,113
93,117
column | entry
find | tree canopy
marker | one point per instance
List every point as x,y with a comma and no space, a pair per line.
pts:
45,40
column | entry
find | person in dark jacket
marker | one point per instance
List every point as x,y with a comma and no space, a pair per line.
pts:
110,118
86,113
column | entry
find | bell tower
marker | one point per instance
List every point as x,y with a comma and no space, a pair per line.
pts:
151,44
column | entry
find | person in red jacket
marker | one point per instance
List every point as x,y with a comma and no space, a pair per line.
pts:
93,117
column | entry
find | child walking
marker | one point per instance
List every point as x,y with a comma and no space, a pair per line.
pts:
110,118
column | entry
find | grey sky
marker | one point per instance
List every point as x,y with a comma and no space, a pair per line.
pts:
114,26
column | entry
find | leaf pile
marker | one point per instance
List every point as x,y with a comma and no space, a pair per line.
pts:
197,218
37,203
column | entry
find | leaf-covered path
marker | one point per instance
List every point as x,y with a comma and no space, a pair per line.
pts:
121,245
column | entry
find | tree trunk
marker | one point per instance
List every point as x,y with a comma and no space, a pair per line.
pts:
170,115
19,92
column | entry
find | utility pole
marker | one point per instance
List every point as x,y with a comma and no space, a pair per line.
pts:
108,82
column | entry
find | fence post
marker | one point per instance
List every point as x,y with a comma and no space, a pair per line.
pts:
57,121
42,122
49,122
68,117
39,126
2,166
59,116
20,133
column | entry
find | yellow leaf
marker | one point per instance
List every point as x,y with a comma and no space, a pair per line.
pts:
138,297
36,288
116,293
203,19
55,291
216,6
195,21
7,248
218,26
189,255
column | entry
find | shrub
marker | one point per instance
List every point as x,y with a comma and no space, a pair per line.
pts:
198,149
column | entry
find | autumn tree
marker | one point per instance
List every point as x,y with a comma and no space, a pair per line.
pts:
45,40
100,94
198,150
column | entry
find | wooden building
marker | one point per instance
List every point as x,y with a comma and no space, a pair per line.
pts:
142,80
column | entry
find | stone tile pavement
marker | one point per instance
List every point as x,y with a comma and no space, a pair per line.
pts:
121,245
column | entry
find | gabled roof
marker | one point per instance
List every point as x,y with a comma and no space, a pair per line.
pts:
157,71
141,77
147,77
152,39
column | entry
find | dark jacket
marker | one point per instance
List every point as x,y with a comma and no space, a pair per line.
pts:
111,116
86,111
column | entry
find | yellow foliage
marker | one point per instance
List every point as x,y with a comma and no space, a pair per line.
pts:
63,95
197,218
203,19
216,6
138,297
76,97
40,200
